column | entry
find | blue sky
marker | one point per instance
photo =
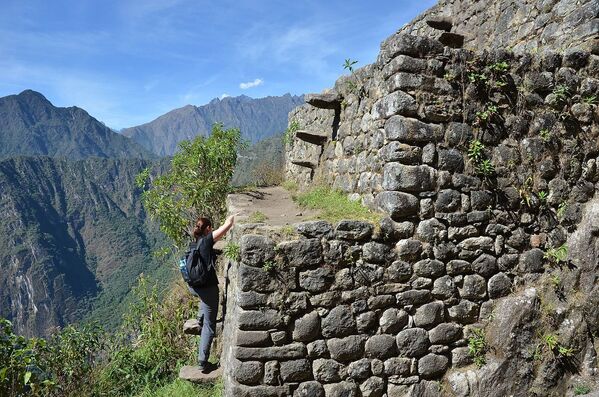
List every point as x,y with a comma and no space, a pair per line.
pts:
128,61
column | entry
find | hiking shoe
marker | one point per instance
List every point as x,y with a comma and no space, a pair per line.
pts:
207,367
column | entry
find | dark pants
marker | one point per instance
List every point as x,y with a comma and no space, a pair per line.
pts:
208,311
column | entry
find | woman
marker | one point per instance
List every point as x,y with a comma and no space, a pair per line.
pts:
205,238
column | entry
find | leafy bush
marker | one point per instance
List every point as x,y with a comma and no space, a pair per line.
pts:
232,251
196,185
149,346
268,173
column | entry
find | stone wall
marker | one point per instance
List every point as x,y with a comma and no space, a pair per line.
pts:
520,25
483,164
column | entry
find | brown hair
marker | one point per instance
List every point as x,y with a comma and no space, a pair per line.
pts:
201,225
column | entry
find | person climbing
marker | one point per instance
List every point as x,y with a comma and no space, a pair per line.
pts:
205,238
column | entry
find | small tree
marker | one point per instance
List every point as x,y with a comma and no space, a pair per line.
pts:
196,185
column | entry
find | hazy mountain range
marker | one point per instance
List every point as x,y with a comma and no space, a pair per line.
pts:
75,234
256,118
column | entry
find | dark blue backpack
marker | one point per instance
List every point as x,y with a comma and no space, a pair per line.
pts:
195,272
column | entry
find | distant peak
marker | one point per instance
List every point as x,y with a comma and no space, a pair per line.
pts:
32,94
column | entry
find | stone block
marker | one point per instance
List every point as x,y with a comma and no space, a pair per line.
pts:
247,372
485,265
432,366
408,249
239,390
445,333
398,205
375,252
474,287
532,261
398,366
295,370
366,322
314,229
255,249
354,230
398,271
253,320
457,266
359,370
346,349
448,200
309,389
327,370
380,346
444,288
307,328
317,280
317,349
404,63
430,230
412,131
401,153
342,389
429,314
450,160
413,297
397,102
409,178
301,253
412,342
373,387
252,338
499,285
338,323
287,352
465,312
431,268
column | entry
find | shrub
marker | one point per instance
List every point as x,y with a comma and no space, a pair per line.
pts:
196,185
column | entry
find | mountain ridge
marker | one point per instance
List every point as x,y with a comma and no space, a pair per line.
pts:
31,125
257,118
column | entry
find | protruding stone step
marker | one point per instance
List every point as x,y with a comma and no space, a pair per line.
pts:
440,24
452,40
193,374
316,138
305,163
329,100
192,327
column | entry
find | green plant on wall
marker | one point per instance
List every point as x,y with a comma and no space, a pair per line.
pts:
289,133
557,255
589,99
560,93
545,135
477,346
232,251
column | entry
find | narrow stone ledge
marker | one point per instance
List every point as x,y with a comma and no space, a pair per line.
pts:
287,352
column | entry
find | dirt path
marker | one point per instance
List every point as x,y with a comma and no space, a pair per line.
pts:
274,202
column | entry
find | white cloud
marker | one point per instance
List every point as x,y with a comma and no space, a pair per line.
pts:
223,96
251,84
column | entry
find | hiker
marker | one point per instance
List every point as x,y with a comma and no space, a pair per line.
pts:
205,238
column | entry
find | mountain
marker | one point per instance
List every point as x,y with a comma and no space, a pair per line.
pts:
256,118
31,125
74,234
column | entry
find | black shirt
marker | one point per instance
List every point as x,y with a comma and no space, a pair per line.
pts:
207,255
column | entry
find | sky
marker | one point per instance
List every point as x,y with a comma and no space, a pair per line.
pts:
127,62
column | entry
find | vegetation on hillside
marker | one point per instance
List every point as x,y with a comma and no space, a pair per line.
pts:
141,359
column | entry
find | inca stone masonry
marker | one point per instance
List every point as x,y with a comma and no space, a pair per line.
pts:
476,134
